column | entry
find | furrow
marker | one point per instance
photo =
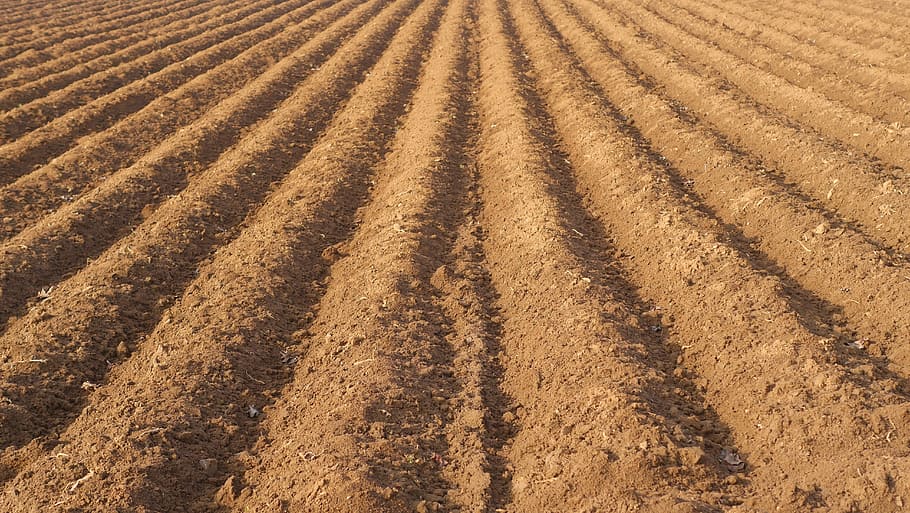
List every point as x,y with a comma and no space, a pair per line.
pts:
833,41
55,16
382,443
97,156
13,15
855,58
833,119
36,39
13,9
883,80
39,257
879,41
481,426
37,44
257,284
801,397
123,45
34,64
823,257
63,15
599,423
873,8
881,106
173,63
854,187
874,27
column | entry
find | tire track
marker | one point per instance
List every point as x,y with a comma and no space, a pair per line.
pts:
832,119
856,188
719,307
587,436
33,65
79,63
106,310
24,119
208,423
95,157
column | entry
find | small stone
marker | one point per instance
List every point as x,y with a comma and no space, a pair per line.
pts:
122,349
820,229
733,461
691,456
208,465
422,507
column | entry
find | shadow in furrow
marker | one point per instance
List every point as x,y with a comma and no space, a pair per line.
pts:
448,258
259,351
591,246
104,223
135,301
869,161
778,178
479,307
815,314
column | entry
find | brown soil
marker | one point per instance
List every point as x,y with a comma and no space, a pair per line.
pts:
454,255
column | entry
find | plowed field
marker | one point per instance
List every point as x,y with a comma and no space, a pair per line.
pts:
470,256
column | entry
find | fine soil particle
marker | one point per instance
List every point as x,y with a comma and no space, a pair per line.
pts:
454,256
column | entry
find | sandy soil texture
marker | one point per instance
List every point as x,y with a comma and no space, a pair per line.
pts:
475,256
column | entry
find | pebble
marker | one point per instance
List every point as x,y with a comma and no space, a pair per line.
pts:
208,465
691,456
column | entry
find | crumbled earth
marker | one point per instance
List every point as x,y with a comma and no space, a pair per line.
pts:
454,256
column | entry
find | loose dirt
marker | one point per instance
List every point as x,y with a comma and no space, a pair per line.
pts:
454,256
